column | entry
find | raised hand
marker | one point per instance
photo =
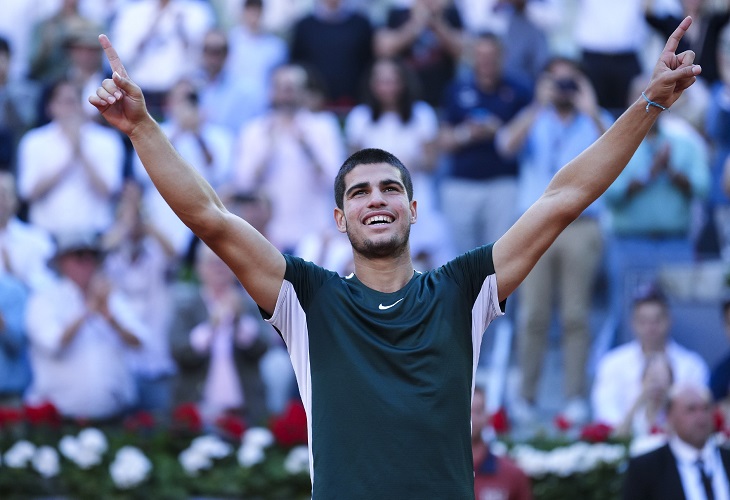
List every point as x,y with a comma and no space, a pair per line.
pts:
673,73
119,99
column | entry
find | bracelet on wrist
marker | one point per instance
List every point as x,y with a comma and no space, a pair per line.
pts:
649,102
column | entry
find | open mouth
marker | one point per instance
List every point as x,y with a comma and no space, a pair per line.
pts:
378,220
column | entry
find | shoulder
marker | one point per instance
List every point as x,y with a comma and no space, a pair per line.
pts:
618,356
682,354
423,110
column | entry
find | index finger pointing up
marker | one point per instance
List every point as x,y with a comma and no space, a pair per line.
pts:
674,38
111,54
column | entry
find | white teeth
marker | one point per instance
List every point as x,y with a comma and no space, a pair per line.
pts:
379,218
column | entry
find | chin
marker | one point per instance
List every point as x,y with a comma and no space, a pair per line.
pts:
394,246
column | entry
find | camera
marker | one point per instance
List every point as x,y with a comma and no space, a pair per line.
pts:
566,85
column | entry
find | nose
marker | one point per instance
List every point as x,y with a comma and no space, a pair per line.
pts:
376,198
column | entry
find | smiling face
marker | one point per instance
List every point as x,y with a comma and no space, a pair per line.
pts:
376,213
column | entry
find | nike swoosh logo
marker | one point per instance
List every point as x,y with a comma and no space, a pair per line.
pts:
383,308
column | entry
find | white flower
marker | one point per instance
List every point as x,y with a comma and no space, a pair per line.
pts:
130,467
258,436
250,455
645,444
84,457
567,460
93,440
193,461
46,461
20,454
211,446
297,461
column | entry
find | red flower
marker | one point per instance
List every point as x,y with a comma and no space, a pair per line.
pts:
139,421
290,428
187,417
562,423
232,426
500,421
596,433
10,416
43,414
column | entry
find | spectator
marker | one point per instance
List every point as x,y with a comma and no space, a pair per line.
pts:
563,120
708,22
204,145
226,99
480,190
25,250
650,207
717,128
291,146
254,53
337,43
139,261
225,341
15,372
393,118
84,62
691,465
70,169
275,366
80,330
618,375
18,104
48,59
720,375
610,37
160,40
526,49
647,414
428,36
495,477
16,26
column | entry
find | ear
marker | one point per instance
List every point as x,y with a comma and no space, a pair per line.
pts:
414,212
340,220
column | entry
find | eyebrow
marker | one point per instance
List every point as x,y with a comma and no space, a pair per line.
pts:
383,183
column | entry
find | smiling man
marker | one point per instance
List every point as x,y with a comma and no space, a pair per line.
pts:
385,357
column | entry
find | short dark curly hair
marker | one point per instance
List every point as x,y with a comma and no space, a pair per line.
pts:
370,156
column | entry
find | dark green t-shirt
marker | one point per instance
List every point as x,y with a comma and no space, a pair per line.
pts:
387,378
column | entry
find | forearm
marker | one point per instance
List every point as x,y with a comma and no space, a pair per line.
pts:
127,336
449,37
45,185
181,186
511,137
588,176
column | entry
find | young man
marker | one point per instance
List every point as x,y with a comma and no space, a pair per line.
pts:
385,358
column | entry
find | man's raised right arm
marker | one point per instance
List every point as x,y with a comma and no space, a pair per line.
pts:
255,261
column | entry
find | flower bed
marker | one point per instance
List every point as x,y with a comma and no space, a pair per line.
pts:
42,456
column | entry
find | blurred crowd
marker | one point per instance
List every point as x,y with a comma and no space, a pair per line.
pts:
109,304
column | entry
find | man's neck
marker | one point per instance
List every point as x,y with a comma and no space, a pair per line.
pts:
385,275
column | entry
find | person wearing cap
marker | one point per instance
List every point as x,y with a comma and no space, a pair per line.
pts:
619,372
50,37
80,330
691,465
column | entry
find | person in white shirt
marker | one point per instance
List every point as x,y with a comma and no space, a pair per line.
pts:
70,169
618,376
291,153
139,260
80,329
691,466
25,249
161,40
